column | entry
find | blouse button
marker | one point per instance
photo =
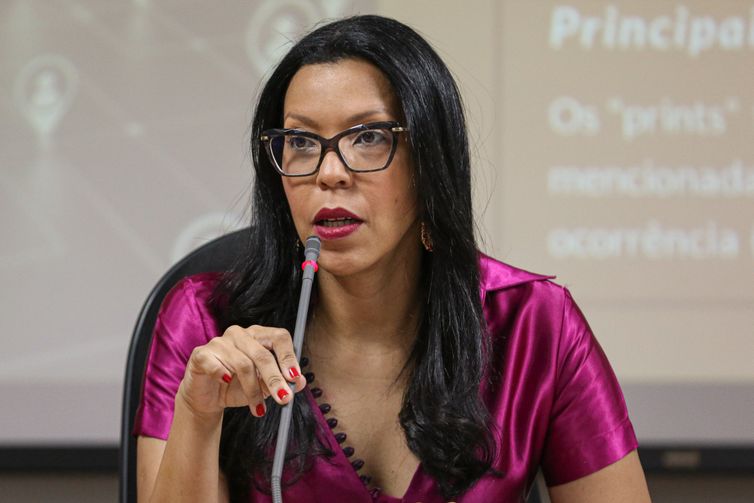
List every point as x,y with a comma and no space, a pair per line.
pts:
304,361
365,479
340,437
348,451
325,408
332,422
316,392
357,464
309,377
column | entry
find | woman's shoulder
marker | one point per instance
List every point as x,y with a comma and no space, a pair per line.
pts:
191,300
513,297
496,276
185,321
541,341
196,287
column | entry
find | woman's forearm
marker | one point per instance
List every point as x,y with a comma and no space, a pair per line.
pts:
189,470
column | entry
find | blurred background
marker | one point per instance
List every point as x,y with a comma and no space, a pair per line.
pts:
613,147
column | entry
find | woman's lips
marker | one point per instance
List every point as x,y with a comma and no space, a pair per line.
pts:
341,229
335,223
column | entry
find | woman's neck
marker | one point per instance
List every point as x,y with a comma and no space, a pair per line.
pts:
368,317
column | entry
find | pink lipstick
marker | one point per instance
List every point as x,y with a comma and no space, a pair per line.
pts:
335,223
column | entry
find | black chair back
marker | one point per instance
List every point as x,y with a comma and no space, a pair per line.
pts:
216,256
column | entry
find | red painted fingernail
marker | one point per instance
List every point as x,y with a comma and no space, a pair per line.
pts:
282,394
293,372
227,378
260,410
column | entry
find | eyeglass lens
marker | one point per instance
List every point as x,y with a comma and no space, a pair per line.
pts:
364,150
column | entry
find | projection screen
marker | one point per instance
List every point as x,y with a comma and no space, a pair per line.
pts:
613,147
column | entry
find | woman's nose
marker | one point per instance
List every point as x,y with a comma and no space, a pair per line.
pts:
332,172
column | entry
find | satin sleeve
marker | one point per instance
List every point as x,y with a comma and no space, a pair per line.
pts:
589,427
183,323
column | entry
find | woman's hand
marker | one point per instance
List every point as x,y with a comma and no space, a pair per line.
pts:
242,367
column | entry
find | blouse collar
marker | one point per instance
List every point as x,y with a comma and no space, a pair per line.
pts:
496,275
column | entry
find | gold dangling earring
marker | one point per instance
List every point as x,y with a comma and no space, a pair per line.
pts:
426,238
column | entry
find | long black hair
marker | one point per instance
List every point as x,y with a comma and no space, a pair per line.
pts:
442,416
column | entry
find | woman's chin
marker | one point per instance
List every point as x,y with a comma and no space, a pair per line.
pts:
338,269
342,263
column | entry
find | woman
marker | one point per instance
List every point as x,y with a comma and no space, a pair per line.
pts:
420,388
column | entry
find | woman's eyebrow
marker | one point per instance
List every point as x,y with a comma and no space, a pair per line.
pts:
359,117
302,119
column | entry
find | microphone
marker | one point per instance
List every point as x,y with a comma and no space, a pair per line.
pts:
311,254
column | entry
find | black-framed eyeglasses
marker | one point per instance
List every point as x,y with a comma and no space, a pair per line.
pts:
362,149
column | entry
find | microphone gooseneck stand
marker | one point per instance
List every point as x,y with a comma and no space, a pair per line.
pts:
311,254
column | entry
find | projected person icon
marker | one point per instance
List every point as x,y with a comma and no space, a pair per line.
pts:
273,24
44,91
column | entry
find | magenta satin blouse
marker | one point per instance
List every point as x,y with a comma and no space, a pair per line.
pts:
552,394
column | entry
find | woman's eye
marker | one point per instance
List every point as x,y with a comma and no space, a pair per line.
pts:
371,137
300,143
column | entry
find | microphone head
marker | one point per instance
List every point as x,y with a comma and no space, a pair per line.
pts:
311,251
